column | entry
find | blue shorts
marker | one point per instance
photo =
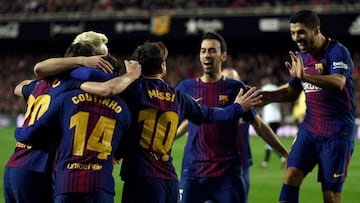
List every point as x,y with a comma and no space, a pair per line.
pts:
332,155
150,190
218,189
23,185
85,198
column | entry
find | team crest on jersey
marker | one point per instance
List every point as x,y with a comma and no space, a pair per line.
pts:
319,68
223,99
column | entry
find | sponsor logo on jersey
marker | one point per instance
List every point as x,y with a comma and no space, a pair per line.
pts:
340,64
319,68
308,87
83,166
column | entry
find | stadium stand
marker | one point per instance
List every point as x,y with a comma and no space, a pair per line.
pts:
252,61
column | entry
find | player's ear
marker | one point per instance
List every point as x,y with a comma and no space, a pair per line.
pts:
223,56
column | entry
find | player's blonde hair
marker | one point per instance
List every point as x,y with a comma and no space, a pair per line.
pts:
99,40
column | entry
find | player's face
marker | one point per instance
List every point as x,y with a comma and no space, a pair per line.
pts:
302,36
211,57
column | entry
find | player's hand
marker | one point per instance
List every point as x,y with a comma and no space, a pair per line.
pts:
248,100
134,67
296,68
98,62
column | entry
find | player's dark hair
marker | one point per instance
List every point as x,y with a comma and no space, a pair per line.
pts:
151,55
307,17
218,37
81,49
118,68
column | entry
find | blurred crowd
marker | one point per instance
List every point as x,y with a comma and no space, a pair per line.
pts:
252,67
49,6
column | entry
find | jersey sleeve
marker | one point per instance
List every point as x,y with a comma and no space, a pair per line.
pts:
90,74
340,60
27,89
295,83
199,113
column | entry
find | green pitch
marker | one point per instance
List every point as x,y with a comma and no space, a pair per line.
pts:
265,184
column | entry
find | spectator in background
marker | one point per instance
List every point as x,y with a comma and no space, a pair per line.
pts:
272,115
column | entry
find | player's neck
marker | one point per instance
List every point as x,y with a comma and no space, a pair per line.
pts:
153,77
211,77
323,42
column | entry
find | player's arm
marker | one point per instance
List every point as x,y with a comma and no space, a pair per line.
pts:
296,68
54,66
268,135
199,113
182,129
19,87
284,93
115,85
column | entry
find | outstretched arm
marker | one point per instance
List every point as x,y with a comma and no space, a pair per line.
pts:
284,93
268,135
115,85
248,100
54,66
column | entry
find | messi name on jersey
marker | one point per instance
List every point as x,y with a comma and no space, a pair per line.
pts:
86,97
167,96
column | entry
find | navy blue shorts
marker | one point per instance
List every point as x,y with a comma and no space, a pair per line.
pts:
150,190
218,189
22,185
84,198
332,155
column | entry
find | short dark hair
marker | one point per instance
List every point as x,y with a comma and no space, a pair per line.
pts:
118,68
151,55
218,37
307,17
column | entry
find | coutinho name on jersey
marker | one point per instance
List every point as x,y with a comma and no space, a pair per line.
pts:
86,97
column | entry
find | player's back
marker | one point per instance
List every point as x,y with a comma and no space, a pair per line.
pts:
154,123
92,127
39,154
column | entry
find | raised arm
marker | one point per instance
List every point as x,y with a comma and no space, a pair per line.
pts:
19,87
54,66
296,68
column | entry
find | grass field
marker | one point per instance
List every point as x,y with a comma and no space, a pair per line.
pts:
265,184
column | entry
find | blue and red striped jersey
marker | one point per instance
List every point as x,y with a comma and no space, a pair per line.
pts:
157,110
91,131
328,112
38,155
211,149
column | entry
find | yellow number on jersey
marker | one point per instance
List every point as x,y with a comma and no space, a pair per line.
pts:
99,139
36,107
158,131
